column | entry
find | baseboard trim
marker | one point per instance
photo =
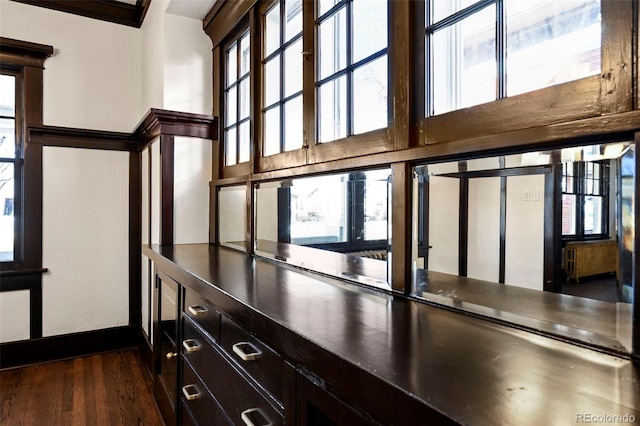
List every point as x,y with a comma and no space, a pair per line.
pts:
54,348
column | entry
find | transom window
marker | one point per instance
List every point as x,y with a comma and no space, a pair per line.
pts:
237,104
351,68
479,51
282,70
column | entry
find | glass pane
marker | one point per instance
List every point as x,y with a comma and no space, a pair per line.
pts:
7,95
318,210
272,81
592,215
333,110
7,185
272,131
369,27
245,99
7,138
370,96
568,214
375,205
464,63
245,142
333,44
245,54
293,124
272,32
325,5
444,8
230,147
232,65
293,19
551,42
232,216
232,105
293,69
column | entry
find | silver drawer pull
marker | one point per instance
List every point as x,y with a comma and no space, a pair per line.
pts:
197,310
191,392
246,351
191,345
254,417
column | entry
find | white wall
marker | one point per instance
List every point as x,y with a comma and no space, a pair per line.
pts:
152,57
192,173
444,207
483,247
93,80
524,261
14,312
85,239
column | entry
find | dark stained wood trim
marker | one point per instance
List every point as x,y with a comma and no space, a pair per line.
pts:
282,160
104,10
401,219
222,19
242,169
23,53
44,349
174,123
35,311
82,138
365,144
463,227
503,229
32,204
30,281
401,60
617,70
213,214
635,339
570,101
552,229
135,238
166,189
250,235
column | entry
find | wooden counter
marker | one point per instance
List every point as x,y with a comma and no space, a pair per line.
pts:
402,361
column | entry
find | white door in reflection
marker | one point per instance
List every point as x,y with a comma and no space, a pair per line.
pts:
483,240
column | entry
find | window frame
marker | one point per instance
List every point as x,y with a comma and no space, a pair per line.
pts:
17,162
587,97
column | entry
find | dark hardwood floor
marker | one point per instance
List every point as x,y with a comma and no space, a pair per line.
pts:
106,389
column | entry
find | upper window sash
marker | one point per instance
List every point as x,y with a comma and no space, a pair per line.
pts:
237,100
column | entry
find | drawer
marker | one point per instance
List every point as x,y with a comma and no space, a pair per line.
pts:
266,367
199,407
203,313
237,395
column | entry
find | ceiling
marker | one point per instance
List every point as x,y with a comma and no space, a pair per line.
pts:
195,9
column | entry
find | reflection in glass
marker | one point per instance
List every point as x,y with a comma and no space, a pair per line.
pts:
444,8
272,81
481,240
293,19
245,54
230,153
245,96
551,42
370,88
232,106
293,69
333,110
7,138
245,146
336,224
232,216
464,63
272,32
232,65
7,95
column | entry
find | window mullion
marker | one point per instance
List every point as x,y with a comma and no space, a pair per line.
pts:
349,47
501,49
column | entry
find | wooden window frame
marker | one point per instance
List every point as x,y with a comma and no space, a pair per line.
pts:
607,93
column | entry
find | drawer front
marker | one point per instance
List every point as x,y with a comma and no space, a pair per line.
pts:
235,394
203,313
198,406
254,357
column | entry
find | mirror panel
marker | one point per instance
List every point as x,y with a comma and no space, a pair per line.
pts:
232,216
540,239
336,224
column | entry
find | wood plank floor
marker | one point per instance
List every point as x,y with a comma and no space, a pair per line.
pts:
107,389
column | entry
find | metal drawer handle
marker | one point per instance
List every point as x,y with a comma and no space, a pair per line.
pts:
191,392
197,310
255,417
246,351
191,345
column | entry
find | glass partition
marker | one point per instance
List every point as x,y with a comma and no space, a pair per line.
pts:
232,216
541,239
336,224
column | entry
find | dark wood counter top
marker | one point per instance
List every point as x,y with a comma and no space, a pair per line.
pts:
404,361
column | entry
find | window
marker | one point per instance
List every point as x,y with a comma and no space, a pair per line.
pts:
480,51
237,101
282,84
10,168
585,199
351,68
